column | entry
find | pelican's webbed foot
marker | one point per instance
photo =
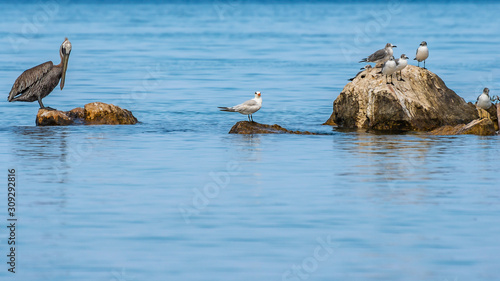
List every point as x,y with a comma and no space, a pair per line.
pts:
48,108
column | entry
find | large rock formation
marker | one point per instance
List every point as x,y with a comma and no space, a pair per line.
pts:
246,127
96,113
421,102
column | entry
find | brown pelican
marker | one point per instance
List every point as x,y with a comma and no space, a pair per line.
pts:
39,81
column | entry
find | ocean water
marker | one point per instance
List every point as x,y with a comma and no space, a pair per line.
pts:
177,198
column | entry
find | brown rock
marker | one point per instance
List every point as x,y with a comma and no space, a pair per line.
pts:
247,127
421,102
76,113
93,113
98,113
330,122
481,127
498,114
47,117
492,111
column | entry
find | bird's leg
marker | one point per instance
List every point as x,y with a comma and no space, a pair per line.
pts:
251,116
248,117
40,102
424,65
42,106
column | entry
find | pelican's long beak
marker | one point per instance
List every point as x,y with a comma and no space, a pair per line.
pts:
65,67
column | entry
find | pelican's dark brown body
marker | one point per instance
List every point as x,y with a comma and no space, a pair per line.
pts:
38,82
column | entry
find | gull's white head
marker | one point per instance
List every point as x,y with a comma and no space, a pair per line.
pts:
257,94
486,91
423,43
403,56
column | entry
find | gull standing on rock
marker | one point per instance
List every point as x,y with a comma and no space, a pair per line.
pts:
422,53
380,56
362,70
484,101
389,68
247,108
401,63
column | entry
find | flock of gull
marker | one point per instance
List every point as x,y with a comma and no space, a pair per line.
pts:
384,58
38,82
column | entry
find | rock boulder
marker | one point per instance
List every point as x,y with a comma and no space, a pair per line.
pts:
421,102
96,113
247,127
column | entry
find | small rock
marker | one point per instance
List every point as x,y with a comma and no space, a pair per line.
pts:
76,113
93,114
481,127
47,117
98,113
247,127
492,111
498,114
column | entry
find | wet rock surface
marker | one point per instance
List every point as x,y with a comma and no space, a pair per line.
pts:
421,102
96,113
498,114
481,127
47,117
247,127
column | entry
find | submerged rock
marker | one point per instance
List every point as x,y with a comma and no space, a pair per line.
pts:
96,113
247,127
481,127
421,102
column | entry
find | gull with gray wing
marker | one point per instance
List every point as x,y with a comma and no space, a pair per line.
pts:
247,108
388,69
401,63
484,101
422,53
380,56
362,70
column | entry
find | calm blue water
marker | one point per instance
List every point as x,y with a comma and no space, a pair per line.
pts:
177,198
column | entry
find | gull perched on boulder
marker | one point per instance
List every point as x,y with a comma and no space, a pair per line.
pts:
401,63
422,53
380,56
389,68
362,70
